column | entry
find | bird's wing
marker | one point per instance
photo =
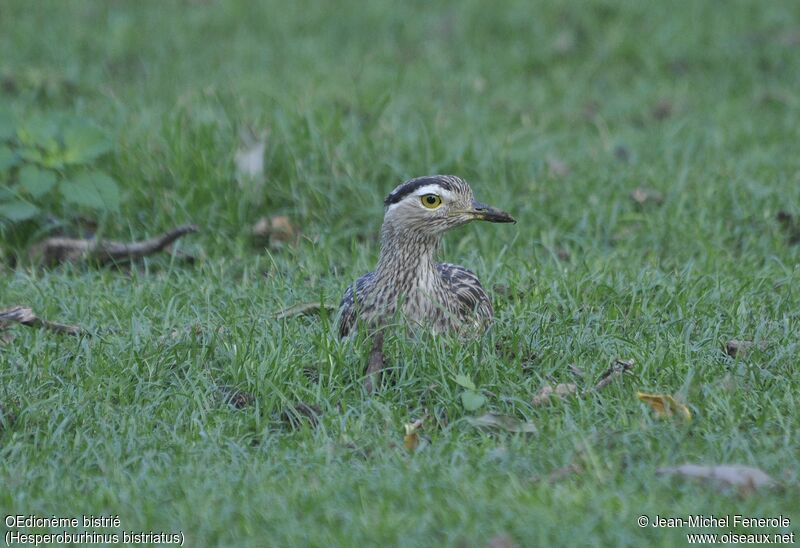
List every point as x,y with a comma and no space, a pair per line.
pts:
472,298
348,307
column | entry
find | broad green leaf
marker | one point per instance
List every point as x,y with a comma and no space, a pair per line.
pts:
7,158
466,382
17,211
472,400
92,189
7,127
37,182
39,131
84,143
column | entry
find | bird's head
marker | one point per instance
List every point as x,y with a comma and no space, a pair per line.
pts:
436,203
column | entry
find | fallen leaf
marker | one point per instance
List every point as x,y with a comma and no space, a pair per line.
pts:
665,405
312,374
231,395
616,370
736,475
277,229
502,541
411,437
739,348
560,473
563,254
575,370
564,42
557,168
644,195
622,153
472,400
249,160
492,421
25,316
304,309
295,414
662,110
547,393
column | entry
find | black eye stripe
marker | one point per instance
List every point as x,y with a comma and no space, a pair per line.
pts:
414,184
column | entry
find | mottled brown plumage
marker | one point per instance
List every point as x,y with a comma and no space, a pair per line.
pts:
408,283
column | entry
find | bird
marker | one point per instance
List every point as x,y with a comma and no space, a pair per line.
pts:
442,297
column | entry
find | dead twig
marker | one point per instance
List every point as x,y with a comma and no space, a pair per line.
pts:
53,251
617,369
25,316
376,363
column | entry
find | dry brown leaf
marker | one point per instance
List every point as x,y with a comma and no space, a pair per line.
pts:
249,160
736,475
411,437
563,254
25,316
643,195
53,251
492,421
547,393
295,414
622,153
665,405
662,110
304,309
616,370
235,397
502,541
557,168
790,225
277,229
560,473
565,41
737,348
575,370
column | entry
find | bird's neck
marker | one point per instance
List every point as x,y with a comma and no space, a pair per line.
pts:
407,256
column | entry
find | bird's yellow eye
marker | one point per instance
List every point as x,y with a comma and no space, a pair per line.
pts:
431,201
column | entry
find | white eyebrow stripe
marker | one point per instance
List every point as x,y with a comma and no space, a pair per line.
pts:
432,189
422,191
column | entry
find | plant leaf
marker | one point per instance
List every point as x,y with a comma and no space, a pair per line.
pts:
37,182
7,128
472,400
466,382
411,437
502,422
39,131
17,211
84,143
7,158
92,189
665,405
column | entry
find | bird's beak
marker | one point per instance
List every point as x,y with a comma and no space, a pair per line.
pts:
491,214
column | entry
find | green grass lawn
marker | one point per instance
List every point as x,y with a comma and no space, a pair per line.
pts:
555,112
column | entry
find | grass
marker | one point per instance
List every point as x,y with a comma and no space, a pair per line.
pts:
694,100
